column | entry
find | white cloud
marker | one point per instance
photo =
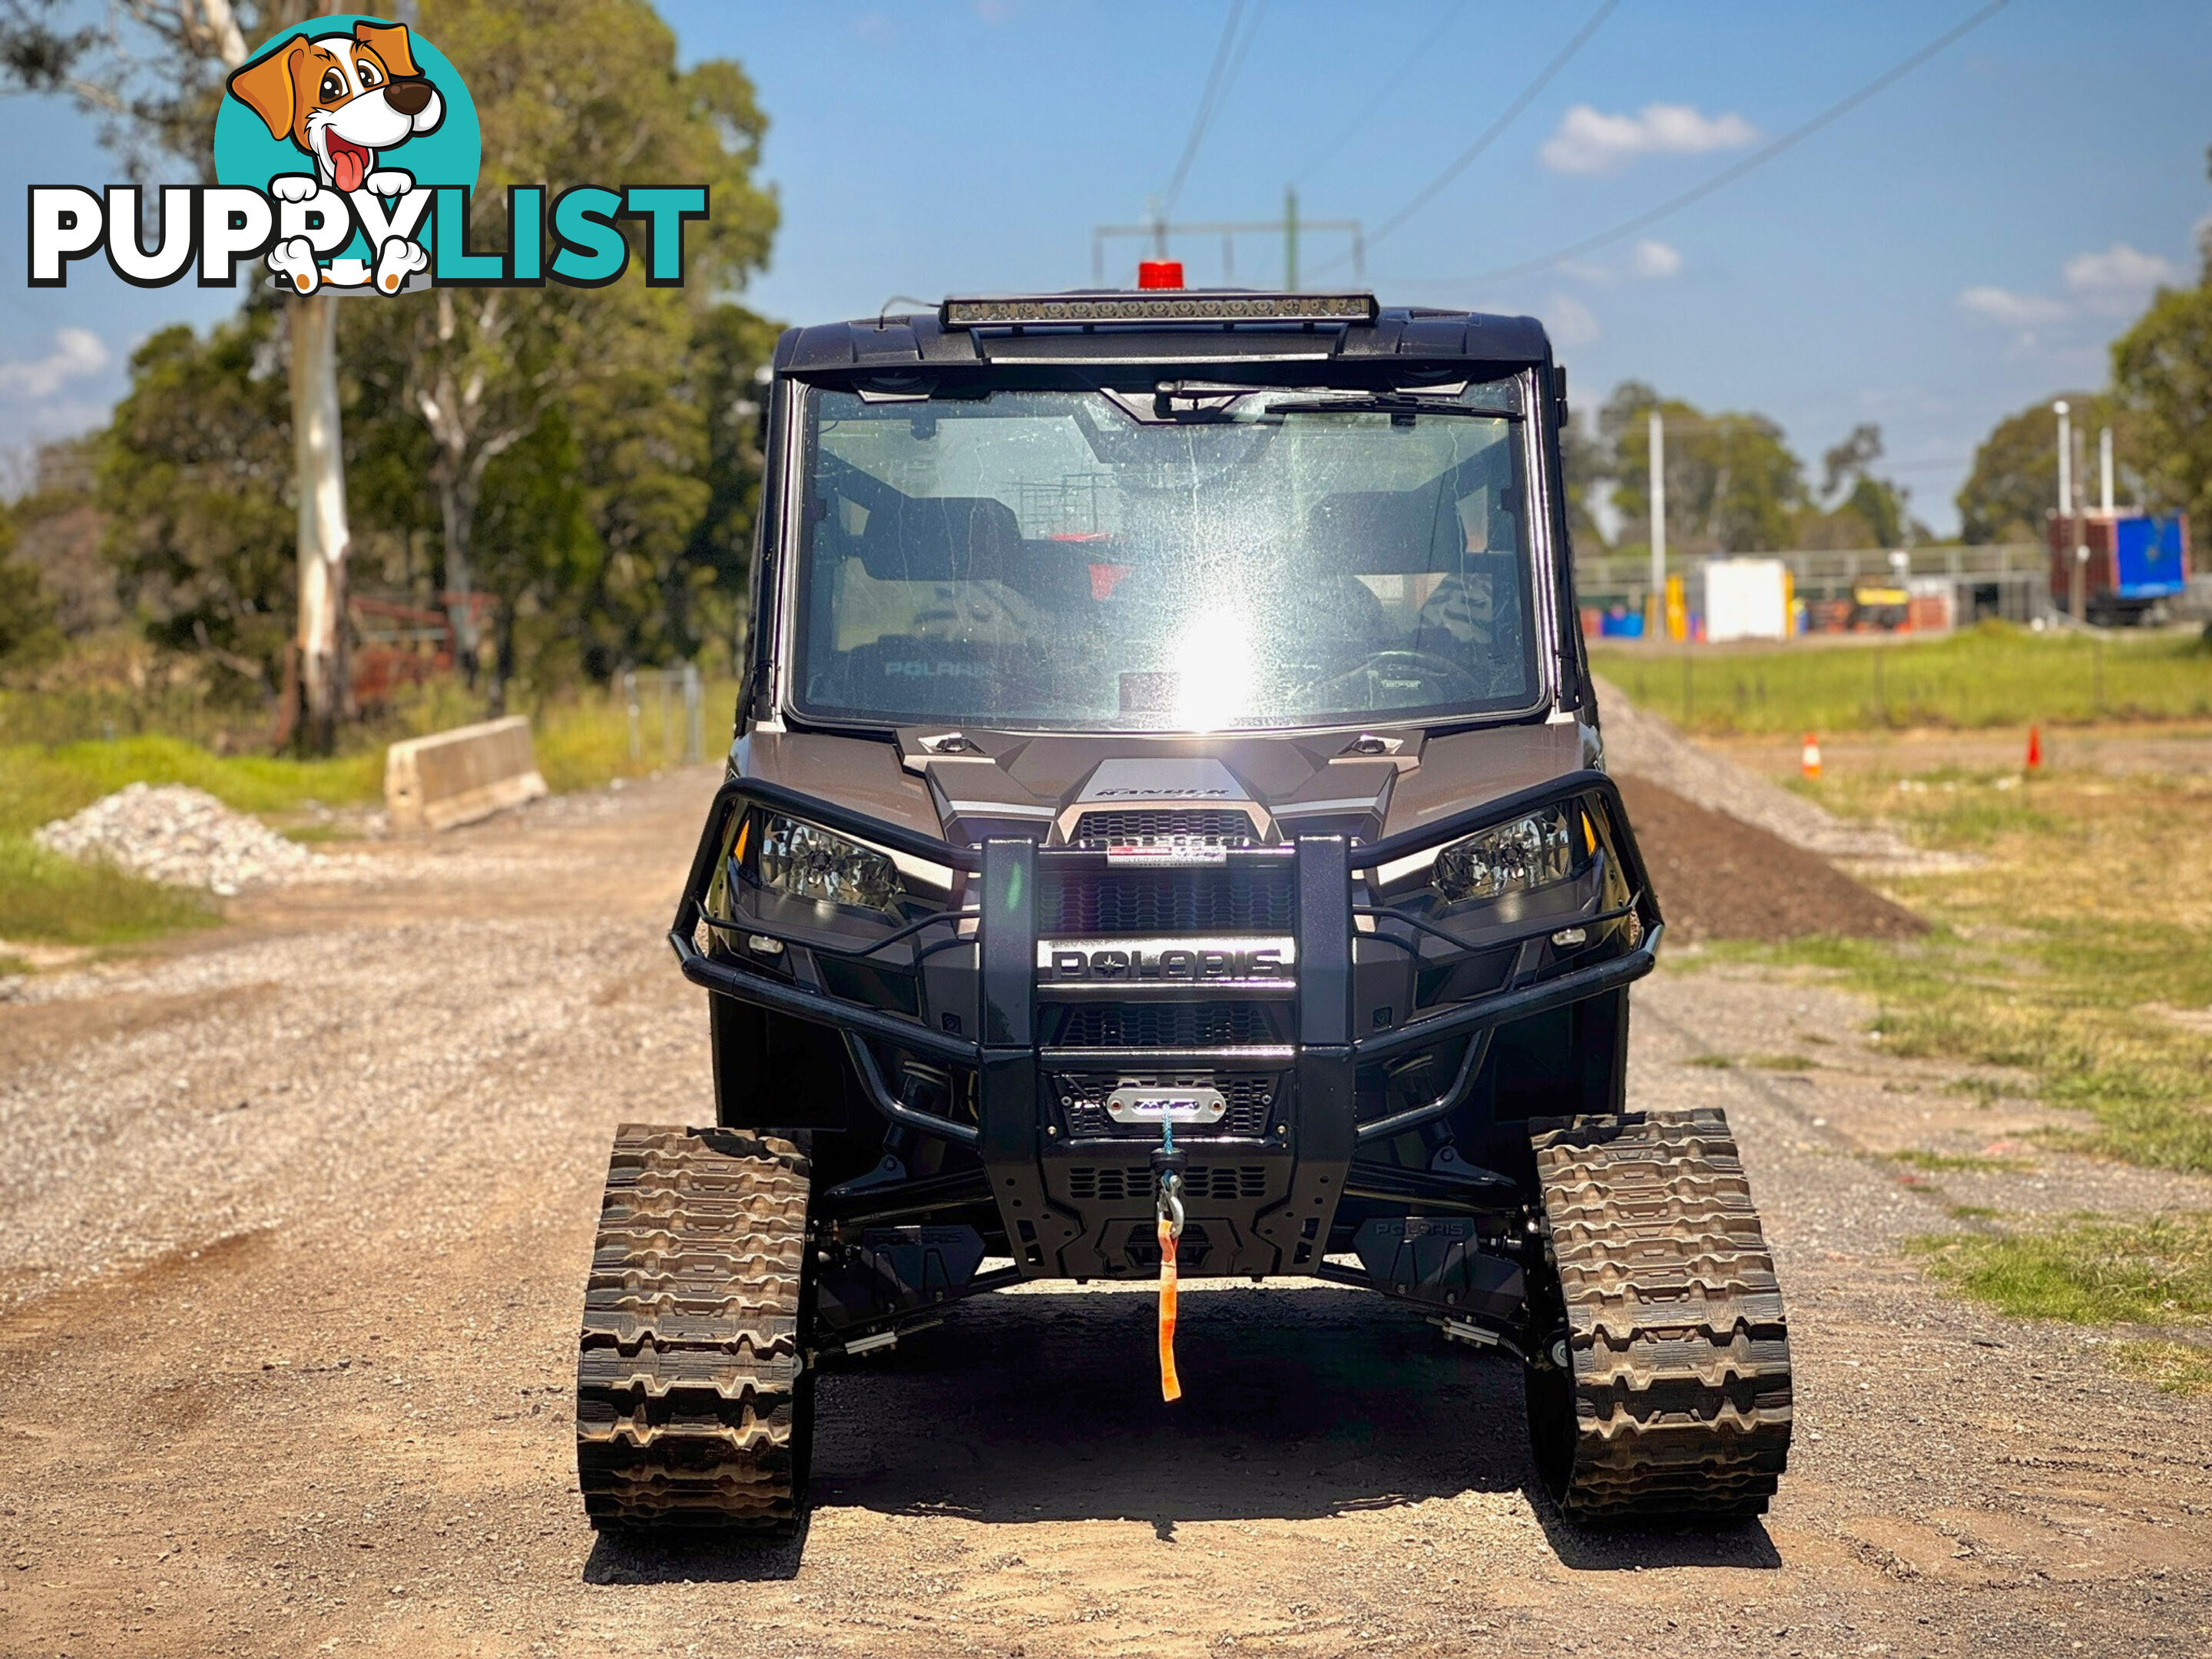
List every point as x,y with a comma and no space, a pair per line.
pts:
2119,280
1570,321
1648,261
77,352
2002,306
1590,141
2113,283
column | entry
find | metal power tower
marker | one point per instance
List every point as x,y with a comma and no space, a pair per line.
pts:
1289,228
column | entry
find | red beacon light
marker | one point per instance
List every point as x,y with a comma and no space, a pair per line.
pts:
1159,273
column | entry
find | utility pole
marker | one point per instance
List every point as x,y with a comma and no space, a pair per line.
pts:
2105,466
2065,459
2066,491
1657,607
2081,525
1293,226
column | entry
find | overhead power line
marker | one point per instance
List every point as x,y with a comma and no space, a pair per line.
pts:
1414,59
1728,176
1228,60
1460,162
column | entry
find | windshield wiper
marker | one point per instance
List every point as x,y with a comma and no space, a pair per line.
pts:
1387,402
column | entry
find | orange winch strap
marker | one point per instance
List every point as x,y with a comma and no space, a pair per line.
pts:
1170,1386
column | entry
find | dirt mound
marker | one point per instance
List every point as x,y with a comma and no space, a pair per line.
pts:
1719,878
1639,743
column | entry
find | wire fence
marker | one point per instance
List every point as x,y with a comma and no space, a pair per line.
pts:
678,697
1980,678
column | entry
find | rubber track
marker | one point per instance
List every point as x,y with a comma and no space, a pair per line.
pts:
689,1411
1679,1348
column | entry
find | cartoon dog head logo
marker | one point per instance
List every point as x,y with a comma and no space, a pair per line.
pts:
344,99
351,126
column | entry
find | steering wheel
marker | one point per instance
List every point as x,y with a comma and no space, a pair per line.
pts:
1453,678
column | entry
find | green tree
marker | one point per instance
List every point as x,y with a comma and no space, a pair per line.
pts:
593,464
1872,512
1851,459
543,556
574,92
2162,375
1590,470
2015,481
153,73
28,633
150,72
59,529
1733,485
197,478
730,349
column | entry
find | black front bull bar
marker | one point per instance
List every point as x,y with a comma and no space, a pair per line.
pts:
1004,930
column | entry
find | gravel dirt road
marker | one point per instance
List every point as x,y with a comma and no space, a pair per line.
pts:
293,1227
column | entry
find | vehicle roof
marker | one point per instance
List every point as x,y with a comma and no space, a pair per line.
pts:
906,340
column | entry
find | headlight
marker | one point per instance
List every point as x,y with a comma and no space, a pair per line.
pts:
803,862
1520,857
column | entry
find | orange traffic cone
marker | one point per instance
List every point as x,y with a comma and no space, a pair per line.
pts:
1810,763
2034,749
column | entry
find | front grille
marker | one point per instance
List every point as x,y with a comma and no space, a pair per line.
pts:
1250,1095
1135,828
1254,897
1118,1183
1158,1024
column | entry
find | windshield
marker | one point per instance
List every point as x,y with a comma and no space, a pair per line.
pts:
1201,561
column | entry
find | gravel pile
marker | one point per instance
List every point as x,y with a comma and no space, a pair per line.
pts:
181,835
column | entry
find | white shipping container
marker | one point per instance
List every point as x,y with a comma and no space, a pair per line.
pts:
1746,599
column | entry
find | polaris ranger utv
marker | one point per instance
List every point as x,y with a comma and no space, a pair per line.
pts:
1167,832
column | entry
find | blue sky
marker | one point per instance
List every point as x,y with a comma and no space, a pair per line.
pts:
1969,240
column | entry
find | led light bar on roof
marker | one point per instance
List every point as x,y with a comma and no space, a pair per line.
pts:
1163,306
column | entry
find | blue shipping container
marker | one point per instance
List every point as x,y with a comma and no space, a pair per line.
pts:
2147,564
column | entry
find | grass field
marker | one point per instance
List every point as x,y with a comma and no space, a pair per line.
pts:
583,740
2079,949
1993,675
2087,1270
38,785
46,897
2095,1270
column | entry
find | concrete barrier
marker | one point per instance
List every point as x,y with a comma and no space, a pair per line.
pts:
459,777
